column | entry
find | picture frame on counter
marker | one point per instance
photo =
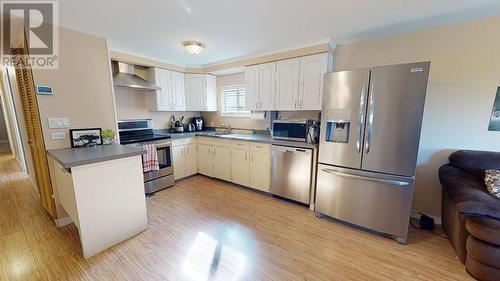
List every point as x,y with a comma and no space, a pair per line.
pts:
87,137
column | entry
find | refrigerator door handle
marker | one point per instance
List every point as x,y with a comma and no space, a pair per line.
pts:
361,118
371,106
377,180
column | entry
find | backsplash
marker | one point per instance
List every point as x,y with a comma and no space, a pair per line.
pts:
132,104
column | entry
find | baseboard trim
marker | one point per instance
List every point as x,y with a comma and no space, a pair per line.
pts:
62,222
437,220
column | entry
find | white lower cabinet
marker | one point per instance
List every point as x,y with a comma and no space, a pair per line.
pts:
240,166
184,157
191,159
179,162
222,162
260,166
205,162
242,162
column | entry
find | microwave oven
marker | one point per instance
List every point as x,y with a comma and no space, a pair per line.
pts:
295,130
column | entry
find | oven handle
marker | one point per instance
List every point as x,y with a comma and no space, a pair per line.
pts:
163,145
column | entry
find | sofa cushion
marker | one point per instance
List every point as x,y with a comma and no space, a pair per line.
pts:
485,229
475,162
468,193
481,271
483,252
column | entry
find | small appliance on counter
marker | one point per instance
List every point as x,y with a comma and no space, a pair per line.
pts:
191,127
199,123
296,130
176,126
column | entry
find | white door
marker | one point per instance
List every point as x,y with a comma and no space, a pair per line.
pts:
287,84
252,87
163,96
222,162
178,91
195,92
211,93
267,85
191,159
312,70
240,166
179,162
205,163
260,171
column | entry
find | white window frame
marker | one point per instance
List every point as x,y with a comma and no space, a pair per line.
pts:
241,114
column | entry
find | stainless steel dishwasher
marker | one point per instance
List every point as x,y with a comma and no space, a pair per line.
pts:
291,172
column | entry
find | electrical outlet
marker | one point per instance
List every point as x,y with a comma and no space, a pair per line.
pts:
58,136
57,123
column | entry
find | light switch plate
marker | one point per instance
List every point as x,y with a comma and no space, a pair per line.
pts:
57,123
58,136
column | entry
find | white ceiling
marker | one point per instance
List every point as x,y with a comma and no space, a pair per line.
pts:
235,28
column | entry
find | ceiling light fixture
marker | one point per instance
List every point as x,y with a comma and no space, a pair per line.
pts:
193,47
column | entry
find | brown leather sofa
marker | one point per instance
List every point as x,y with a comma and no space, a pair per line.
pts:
471,216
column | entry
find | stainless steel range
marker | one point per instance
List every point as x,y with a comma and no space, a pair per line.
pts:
140,131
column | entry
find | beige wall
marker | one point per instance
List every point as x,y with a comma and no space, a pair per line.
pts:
465,73
132,104
215,119
82,86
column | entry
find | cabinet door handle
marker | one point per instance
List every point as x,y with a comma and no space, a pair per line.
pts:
214,150
300,104
251,157
245,156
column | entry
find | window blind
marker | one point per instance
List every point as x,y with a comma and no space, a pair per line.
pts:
233,100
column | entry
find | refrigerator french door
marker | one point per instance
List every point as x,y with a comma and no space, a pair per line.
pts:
369,145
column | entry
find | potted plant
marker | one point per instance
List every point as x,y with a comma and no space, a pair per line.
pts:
108,136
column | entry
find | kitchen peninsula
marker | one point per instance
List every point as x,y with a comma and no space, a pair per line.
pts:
105,206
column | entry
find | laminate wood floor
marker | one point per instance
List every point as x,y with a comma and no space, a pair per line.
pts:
205,229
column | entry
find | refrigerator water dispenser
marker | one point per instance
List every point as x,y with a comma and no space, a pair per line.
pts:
338,125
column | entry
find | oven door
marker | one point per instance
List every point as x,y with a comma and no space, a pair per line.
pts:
164,152
295,130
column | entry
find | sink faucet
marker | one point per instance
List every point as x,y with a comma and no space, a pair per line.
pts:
227,129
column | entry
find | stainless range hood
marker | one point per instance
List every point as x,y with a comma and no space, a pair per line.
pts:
124,77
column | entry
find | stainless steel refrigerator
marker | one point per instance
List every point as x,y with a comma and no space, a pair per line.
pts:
369,139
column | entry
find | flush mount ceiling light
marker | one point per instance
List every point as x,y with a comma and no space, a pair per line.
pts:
193,47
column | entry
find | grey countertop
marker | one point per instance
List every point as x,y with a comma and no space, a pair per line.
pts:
72,157
262,138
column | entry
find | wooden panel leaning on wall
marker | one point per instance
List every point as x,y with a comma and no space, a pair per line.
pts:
32,120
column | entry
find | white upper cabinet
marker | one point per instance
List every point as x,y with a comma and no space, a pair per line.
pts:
287,84
160,100
267,86
171,95
252,87
211,94
292,84
178,91
201,92
312,70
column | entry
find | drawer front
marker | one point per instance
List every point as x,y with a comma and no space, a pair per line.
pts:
240,144
375,201
260,147
178,142
214,141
